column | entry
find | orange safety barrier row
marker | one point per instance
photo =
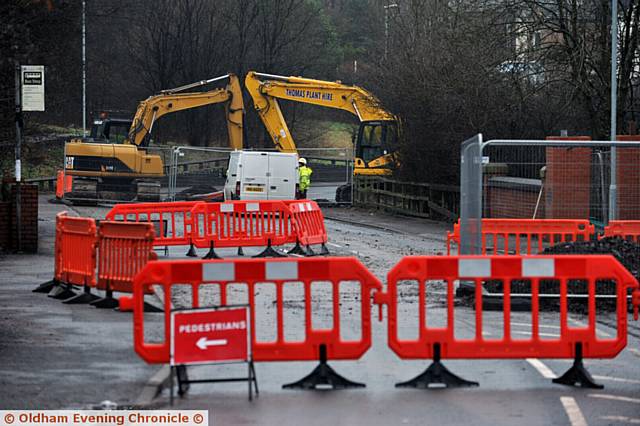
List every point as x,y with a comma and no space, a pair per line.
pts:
172,220
626,229
243,223
230,224
309,222
64,184
573,341
508,236
118,249
254,278
124,249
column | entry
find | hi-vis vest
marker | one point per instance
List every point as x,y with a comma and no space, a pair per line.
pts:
305,177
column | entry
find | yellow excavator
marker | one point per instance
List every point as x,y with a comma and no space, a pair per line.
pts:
377,136
110,167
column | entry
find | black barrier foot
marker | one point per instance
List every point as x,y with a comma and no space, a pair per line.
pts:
324,251
436,374
192,251
62,291
578,375
270,252
183,379
322,376
212,253
148,307
240,252
106,302
45,287
297,249
309,251
85,297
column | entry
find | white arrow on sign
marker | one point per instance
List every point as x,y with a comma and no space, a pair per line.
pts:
203,343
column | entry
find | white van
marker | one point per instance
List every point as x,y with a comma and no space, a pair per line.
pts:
256,175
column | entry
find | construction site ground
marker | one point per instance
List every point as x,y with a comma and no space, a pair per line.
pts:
56,356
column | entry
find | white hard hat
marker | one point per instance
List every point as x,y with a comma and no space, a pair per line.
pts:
302,161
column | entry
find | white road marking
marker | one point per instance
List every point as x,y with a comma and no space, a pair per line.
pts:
621,419
334,245
615,397
523,324
573,411
542,368
617,379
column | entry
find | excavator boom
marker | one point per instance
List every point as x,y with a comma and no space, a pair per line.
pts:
173,100
377,136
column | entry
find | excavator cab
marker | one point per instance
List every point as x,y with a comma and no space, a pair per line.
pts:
376,139
111,130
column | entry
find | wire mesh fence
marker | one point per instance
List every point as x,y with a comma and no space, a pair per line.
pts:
550,179
541,182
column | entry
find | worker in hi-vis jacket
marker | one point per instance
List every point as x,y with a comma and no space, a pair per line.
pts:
305,178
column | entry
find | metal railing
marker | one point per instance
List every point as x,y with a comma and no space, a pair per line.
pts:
433,201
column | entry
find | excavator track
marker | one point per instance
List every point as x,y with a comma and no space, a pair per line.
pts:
85,191
88,191
148,191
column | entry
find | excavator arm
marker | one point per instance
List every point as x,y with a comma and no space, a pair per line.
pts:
174,100
266,89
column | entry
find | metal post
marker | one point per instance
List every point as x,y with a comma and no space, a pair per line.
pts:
18,171
613,186
386,28
471,196
84,70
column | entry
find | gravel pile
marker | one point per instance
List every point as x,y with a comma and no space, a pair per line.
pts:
627,252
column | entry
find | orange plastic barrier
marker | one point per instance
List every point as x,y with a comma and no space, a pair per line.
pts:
573,341
124,249
173,219
309,222
507,235
626,229
57,246
64,184
243,224
256,276
77,250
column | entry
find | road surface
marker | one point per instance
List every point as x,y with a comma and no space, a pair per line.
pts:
59,356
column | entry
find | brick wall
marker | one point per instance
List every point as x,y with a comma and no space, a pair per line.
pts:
568,181
513,198
29,218
5,226
628,175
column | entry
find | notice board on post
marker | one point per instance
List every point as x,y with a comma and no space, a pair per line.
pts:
211,336
32,82
207,336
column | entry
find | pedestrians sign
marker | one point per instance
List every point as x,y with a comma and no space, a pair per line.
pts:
32,80
206,336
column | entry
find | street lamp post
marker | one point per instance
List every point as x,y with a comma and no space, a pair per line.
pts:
613,186
84,70
386,28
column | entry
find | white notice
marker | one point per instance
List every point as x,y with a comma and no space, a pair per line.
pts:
32,87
